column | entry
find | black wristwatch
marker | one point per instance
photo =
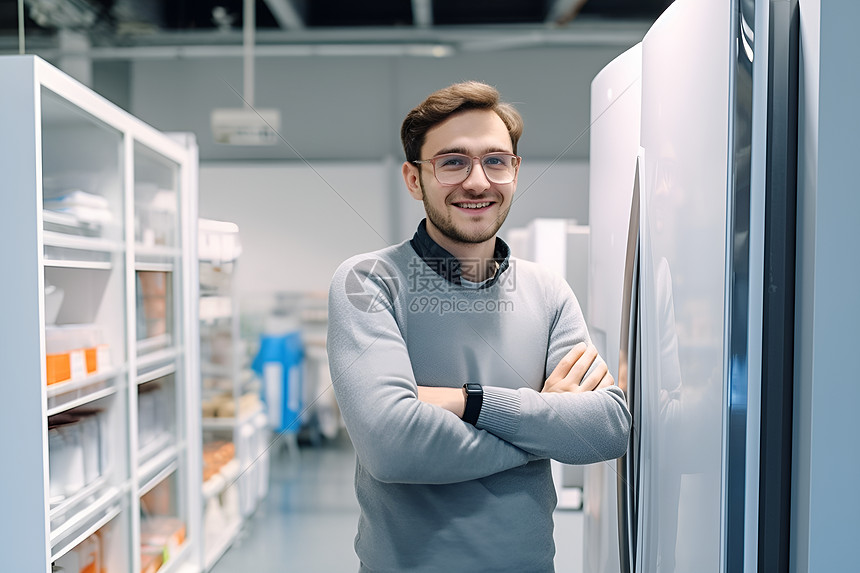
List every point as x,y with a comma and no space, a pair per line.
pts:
474,401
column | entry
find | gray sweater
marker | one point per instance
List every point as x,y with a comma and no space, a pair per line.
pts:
436,493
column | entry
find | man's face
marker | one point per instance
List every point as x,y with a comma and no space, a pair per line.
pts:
474,210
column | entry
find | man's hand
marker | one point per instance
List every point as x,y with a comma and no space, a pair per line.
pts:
452,399
568,375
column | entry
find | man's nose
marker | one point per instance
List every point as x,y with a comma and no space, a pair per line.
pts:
477,179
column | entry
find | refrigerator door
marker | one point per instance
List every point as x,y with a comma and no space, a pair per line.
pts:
629,375
686,72
615,104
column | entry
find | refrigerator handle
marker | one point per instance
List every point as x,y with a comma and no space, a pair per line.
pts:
626,464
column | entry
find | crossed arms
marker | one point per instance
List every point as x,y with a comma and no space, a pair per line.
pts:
404,432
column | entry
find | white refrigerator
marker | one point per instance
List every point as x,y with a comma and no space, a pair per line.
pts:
692,191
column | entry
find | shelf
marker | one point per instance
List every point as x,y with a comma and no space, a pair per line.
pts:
155,251
86,399
146,452
228,423
107,516
69,502
76,242
178,562
71,225
153,471
216,370
72,385
158,478
90,514
148,345
73,264
147,356
155,374
61,219
154,267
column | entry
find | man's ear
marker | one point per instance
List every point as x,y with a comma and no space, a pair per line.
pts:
412,179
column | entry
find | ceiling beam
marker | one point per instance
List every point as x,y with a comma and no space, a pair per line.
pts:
581,32
308,42
422,13
286,14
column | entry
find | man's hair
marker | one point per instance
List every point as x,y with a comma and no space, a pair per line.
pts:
442,104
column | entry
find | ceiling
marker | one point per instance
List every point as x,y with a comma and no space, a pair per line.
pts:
143,23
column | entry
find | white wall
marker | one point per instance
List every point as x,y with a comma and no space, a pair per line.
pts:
297,223
826,457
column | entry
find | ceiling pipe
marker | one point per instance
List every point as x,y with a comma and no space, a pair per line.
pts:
422,13
21,26
248,26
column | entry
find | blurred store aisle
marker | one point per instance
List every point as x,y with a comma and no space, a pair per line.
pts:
307,522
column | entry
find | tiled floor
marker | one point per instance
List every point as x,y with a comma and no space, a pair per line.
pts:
307,523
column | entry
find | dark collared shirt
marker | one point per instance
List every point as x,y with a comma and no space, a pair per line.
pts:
447,265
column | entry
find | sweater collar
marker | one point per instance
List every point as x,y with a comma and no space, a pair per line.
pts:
447,265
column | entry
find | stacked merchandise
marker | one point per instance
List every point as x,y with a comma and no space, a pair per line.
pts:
155,215
160,537
77,444
153,296
154,419
77,212
162,533
88,556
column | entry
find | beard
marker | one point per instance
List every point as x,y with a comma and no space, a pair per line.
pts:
444,223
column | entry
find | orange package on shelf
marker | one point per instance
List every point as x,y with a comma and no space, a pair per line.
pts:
92,360
65,366
161,533
151,560
97,358
58,368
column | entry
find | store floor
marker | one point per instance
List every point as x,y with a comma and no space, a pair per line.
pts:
307,522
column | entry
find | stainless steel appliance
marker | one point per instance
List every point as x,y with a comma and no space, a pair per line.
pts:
692,217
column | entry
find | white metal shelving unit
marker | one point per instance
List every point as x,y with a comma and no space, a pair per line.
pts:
120,251
231,403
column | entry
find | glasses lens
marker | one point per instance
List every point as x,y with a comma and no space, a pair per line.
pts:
499,167
452,168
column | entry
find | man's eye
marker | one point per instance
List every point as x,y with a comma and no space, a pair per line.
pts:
451,163
496,161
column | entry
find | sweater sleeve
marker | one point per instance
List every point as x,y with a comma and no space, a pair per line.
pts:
573,428
397,438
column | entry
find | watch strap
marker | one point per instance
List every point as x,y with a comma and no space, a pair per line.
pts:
474,402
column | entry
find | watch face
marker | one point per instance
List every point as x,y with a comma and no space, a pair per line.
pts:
474,389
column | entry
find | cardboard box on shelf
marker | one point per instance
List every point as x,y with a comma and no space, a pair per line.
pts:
74,351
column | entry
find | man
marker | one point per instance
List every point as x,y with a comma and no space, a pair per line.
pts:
454,478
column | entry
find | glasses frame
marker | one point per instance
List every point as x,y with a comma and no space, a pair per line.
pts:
480,158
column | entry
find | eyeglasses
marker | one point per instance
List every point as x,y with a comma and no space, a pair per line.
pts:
454,168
